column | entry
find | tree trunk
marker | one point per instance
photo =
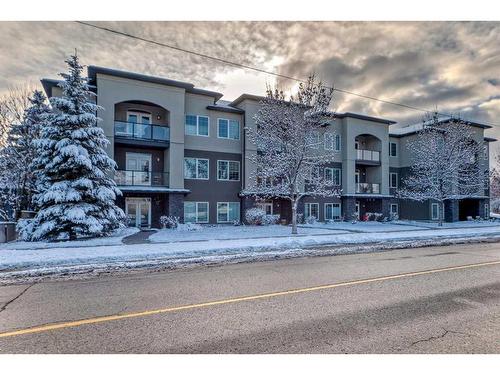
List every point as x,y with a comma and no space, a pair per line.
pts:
441,214
294,218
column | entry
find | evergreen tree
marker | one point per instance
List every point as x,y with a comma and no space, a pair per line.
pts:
17,174
78,199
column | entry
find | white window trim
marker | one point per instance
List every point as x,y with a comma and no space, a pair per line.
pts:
432,211
138,114
196,207
139,200
390,180
228,122
263,205
197,125
311,204
197,178
329,141
397,208
227,221
340,208
335,142
227,179
390,149
340,174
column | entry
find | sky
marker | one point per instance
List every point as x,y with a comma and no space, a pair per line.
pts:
453,67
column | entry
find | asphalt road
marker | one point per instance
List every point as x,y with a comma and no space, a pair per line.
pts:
408,301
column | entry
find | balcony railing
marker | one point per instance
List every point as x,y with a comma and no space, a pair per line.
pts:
140,178
148,132
368,155
365,188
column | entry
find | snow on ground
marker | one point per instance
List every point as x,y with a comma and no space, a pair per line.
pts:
457,224
114,239
363,226
225,232
16,263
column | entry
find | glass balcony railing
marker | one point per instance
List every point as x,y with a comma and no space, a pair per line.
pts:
140,178
368,155
366,188
149,132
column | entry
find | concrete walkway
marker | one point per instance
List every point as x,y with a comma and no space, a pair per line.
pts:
138,238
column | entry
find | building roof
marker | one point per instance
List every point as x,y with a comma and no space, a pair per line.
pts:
48,84
414,128
225,106
489,139
243,97
363,117
189,87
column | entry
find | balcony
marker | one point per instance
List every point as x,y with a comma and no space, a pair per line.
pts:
368,157
366,188
140,178
147,134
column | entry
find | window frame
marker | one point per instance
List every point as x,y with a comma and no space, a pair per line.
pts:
432,211
395,149
197,125
334,169
196,203
330,140
390,180
228,129
397,208
227,217
196,169
339,138
228,169
308,205
333,204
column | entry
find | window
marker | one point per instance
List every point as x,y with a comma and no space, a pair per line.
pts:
228,212
196,168
139,117
311,209
394,208
435,211
331,142
228,170
393,178
196,212
314,140
267,207
337,142
196,125
393,149
333,175
486,210
229,129
332,211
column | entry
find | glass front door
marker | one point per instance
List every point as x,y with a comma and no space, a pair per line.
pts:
138,211
357,210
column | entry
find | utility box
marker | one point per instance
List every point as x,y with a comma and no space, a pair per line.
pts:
7,231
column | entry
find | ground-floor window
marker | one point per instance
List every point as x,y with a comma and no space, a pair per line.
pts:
486,210
267,207
196,212
435,211
394,208
311,209
228,212
332,211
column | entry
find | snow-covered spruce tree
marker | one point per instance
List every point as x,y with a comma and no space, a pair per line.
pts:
289,160
446,163
16,170
79,196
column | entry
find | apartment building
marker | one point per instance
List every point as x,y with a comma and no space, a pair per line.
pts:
182,151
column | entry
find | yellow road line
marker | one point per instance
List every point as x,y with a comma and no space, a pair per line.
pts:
102,319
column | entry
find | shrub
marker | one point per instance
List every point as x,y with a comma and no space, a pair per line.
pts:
255,216
169,222
270,219
311,220
393,216
300,218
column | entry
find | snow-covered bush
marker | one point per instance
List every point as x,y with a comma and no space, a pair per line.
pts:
169,222
255,216
393,216
270,219
189,227
311,220
300,218
236,223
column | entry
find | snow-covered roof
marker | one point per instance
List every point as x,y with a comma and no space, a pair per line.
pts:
413,128
224,106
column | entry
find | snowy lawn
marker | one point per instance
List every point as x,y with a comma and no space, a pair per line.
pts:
226,232
457,224
362,226
16,264
114,239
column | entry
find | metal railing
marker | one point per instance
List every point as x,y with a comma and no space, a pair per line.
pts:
366,188
368,155
135,130
141,178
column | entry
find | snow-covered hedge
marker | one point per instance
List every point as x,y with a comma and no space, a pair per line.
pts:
169,222
270,219
255,216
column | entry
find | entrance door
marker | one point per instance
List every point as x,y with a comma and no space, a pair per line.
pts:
267,207
357,210
138,211
138,167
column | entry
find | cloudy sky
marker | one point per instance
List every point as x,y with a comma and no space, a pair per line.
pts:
454,67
